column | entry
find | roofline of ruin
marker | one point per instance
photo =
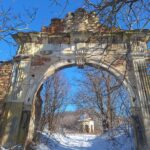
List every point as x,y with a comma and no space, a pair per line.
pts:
19,35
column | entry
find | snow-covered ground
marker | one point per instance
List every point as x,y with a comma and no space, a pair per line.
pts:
120,141
85,142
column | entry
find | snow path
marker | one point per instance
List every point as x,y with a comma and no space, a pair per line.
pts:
84,142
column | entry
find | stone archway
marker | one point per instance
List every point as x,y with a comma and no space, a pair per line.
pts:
65,64
64,43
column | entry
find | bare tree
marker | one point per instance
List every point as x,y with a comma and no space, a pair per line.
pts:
11,22
122,13
96,92
54,95
127,14
114,16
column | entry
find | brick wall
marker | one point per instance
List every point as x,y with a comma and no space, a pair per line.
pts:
80,20
5,77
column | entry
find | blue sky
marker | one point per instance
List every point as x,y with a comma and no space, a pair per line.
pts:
45,12
72,74
75,76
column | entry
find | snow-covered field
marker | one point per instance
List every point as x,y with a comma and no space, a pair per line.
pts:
120,141
85,142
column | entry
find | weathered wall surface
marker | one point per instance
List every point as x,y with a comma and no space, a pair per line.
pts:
78,39
5,77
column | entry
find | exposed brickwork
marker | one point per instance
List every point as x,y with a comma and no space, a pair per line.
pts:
39,60
57,26
5,77
78,21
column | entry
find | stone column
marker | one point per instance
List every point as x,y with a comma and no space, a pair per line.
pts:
90,129
10,126
135,59
93,127
143,86
83,127
14,117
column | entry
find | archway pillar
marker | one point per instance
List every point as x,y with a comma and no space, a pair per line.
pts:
11,123
19,108
42,53
15,117
142,122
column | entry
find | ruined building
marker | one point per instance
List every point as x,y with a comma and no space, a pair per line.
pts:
78,39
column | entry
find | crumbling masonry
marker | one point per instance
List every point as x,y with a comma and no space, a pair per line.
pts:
78,39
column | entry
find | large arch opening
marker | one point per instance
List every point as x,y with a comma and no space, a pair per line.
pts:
61,66
66,64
